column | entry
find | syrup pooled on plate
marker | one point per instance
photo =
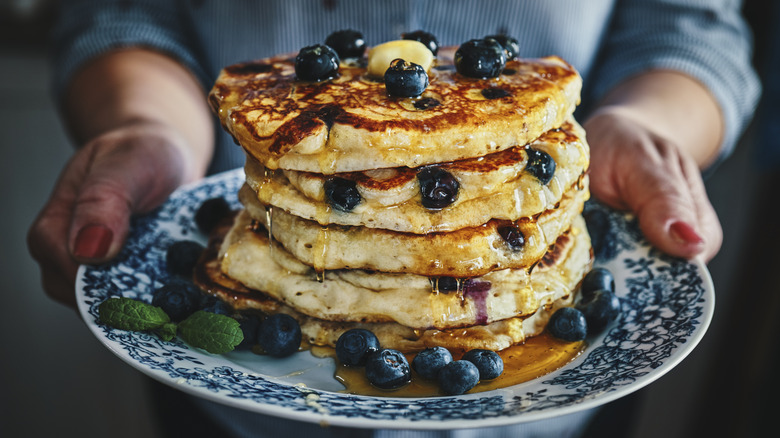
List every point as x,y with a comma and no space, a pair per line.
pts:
538,356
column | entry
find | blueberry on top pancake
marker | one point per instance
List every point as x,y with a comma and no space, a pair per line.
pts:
349,123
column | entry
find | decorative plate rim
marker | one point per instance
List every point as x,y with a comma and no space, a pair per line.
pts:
667,304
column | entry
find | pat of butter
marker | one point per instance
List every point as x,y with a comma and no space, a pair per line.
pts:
380,57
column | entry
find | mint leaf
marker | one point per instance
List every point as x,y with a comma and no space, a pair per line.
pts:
128,314
214,333
167,331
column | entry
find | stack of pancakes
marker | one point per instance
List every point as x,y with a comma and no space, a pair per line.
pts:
485,271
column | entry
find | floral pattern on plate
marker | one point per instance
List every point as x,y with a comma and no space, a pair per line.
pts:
667,304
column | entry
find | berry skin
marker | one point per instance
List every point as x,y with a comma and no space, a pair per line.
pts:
355,345
437,187
316,63
342,194
568,324
250,326
279,335
458,377
488,363
597,279
600,308
405,79
480,59
210,212
600,227
424,37
178,298
447,284
512,236
215,305
182,256
511,45
388,369
430,361
347,43
541,165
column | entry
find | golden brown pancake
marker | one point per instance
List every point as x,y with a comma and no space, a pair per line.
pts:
467,252
410,300
350,124
495,335
496,186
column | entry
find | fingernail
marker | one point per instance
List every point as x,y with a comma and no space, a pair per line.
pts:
93,242
685,234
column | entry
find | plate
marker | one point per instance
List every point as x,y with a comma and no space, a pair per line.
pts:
667,304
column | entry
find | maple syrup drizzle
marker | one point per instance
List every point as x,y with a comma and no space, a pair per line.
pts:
538,356
269,219
581,181
319,250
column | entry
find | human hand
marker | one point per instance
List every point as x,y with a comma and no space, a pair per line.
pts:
633,168
121,172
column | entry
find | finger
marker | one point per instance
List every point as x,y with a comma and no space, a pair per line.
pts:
659,194
48,234
131,177
708,222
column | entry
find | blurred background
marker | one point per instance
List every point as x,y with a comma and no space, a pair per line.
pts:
58,380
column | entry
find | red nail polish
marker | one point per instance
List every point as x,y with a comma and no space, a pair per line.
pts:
93,242
684,233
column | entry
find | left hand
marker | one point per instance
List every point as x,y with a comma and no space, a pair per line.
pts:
633,168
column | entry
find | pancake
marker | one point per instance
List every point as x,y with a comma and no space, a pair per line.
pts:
407,299
468,252
497,186
495,336
350,124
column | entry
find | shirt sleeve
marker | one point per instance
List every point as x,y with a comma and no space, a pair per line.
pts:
88,28
707,40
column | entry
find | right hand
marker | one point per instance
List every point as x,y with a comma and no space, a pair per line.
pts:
126,171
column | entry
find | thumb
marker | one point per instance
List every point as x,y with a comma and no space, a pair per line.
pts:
126,176
667,206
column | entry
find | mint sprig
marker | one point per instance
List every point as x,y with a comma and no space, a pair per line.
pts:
212,332
128,314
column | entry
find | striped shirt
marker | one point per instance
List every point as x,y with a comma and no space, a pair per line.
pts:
606,40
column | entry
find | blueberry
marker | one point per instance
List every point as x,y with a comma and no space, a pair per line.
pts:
354,346
512,236
347,43
600,308
215,305
178,298
457,377
250,326
342,194
405,79
182,256
569,324
482,59
488,363
210,212
601,230
511,45
597,279
447,284
388,369
316,63
430,361
541,165
424,37
279,335
437,187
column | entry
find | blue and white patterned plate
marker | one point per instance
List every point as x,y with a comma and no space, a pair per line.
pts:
666,303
